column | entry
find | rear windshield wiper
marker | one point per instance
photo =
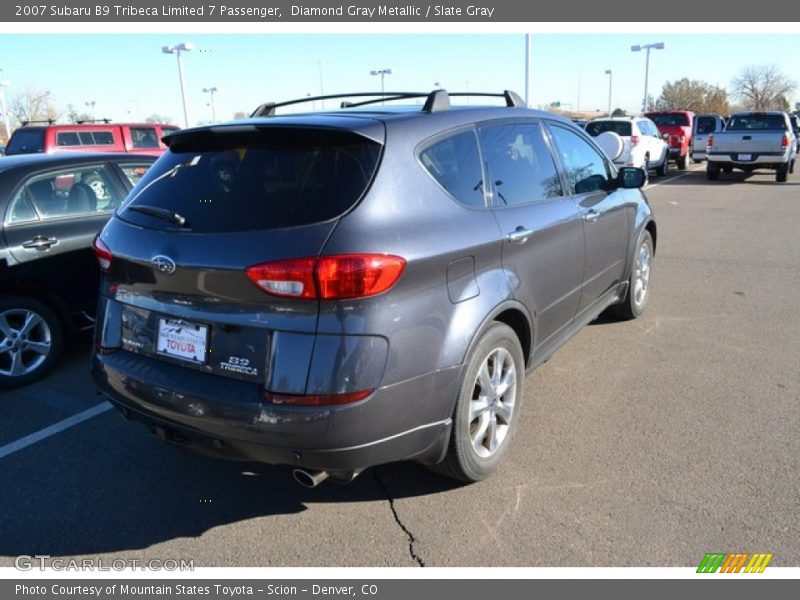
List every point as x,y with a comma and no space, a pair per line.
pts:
160,213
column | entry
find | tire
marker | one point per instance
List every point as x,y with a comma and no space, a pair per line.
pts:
681,162
663,168
635,302
31,339
781,173
712,171
471,454
791,167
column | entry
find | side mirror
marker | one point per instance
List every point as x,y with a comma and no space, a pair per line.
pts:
631,177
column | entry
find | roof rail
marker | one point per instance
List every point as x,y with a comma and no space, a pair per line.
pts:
435,101
34,122
87,121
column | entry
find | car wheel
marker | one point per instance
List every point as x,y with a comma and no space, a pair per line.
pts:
487,410
781,173
663,168
681,162
639,283
712,171
31,338
791,167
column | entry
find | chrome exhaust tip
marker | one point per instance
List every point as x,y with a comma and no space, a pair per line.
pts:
309,479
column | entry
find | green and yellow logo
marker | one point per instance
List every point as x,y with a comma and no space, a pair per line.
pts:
721,562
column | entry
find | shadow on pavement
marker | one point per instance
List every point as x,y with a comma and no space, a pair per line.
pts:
108,486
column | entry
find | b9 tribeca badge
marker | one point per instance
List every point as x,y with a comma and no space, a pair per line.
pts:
236,364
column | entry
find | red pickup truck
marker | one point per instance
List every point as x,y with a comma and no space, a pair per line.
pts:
675,127
141,138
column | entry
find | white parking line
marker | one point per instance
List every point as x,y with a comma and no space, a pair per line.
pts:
45,433
673,178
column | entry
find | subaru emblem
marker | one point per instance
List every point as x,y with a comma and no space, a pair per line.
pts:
163,264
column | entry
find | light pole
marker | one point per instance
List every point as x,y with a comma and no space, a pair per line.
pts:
383,73
648,47
92,104
610,79
211,91
182,47
527,69
4,84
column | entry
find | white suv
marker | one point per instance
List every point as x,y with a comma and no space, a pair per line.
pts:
642,145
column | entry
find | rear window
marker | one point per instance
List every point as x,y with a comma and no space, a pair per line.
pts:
267,180
756,122
621,128
144,137
706,124
669,119
26,141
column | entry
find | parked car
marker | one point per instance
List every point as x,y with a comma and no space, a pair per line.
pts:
751,141
795,121
704,125
52,206
104,136
642,145
332,291
676,129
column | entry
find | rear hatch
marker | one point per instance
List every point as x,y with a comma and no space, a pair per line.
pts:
674,127
219,201
753,133
623,129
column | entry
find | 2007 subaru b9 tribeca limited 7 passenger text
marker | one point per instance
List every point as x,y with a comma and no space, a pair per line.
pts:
348,288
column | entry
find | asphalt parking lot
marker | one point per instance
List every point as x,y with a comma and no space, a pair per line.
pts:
644,443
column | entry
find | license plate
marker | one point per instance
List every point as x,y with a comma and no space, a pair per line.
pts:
183,340
745,157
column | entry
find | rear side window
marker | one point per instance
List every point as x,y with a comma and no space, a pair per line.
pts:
455,164
134,171
84,138
26,141
267,179
706,125
621,128
521,166
757,122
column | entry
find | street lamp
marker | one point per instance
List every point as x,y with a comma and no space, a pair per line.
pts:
648,47
211,91
183,47
4,84
383,73
610,79
91,103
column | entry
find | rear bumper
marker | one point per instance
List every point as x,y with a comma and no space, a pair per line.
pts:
677,152
757,161
228,418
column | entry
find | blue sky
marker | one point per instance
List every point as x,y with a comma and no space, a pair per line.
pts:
128,77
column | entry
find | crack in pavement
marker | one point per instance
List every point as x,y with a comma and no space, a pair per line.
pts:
411,539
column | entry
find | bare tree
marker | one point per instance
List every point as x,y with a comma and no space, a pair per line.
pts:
32,104
156,118
763,87
74,116
239,115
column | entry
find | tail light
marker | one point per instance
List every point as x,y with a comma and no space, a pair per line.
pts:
785,140
710,141
315,400
103,254
634,140
328,277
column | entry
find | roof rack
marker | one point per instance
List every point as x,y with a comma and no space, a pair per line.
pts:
34,122
86,121
435,101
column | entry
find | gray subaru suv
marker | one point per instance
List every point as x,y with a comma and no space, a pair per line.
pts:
347,288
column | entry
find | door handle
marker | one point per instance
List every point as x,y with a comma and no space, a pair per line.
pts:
591,215
520,235
39,243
